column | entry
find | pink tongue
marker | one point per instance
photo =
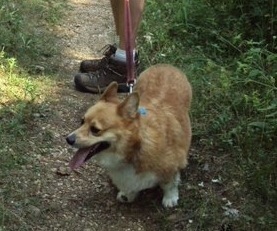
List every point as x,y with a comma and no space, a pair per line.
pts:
79,158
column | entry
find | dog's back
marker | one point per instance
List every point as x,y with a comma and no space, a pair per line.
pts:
165,93
165,87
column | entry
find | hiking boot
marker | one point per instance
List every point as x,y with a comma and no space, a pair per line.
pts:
97,81
93,65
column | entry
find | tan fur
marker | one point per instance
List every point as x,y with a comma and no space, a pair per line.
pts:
166,93
155,143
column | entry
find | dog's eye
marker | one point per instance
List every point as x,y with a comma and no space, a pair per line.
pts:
94,130
82,121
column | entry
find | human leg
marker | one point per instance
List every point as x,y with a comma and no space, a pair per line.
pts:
136,8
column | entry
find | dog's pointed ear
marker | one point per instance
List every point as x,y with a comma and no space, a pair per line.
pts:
110,94
128,109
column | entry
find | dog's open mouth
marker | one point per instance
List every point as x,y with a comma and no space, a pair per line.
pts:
84,154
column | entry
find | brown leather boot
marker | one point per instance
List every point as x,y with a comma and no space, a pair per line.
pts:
98,80
93,65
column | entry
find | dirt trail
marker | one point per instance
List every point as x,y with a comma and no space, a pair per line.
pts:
84,200
87,27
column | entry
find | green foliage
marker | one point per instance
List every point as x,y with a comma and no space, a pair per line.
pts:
20,102
228,50
219,30
18,95
22,34
24,43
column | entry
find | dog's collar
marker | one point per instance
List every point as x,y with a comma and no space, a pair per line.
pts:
142,111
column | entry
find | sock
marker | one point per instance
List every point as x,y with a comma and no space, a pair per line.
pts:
120,55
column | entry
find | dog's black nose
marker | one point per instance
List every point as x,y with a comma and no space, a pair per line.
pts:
71,139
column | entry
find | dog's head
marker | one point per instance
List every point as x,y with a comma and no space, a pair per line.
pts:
107,128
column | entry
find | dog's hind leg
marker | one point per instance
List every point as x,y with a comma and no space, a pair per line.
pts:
170,191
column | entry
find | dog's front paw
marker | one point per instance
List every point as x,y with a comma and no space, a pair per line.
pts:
170,201
126,198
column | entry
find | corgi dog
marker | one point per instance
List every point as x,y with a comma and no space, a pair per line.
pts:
143,140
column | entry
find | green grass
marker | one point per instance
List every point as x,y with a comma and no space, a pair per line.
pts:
26,30
231,65
25,43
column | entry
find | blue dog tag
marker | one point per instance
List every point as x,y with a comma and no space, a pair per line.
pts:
142,111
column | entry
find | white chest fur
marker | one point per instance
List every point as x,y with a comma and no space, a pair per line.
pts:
124,175
128,181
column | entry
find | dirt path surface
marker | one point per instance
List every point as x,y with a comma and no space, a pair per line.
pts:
87,27
47,196
84,200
